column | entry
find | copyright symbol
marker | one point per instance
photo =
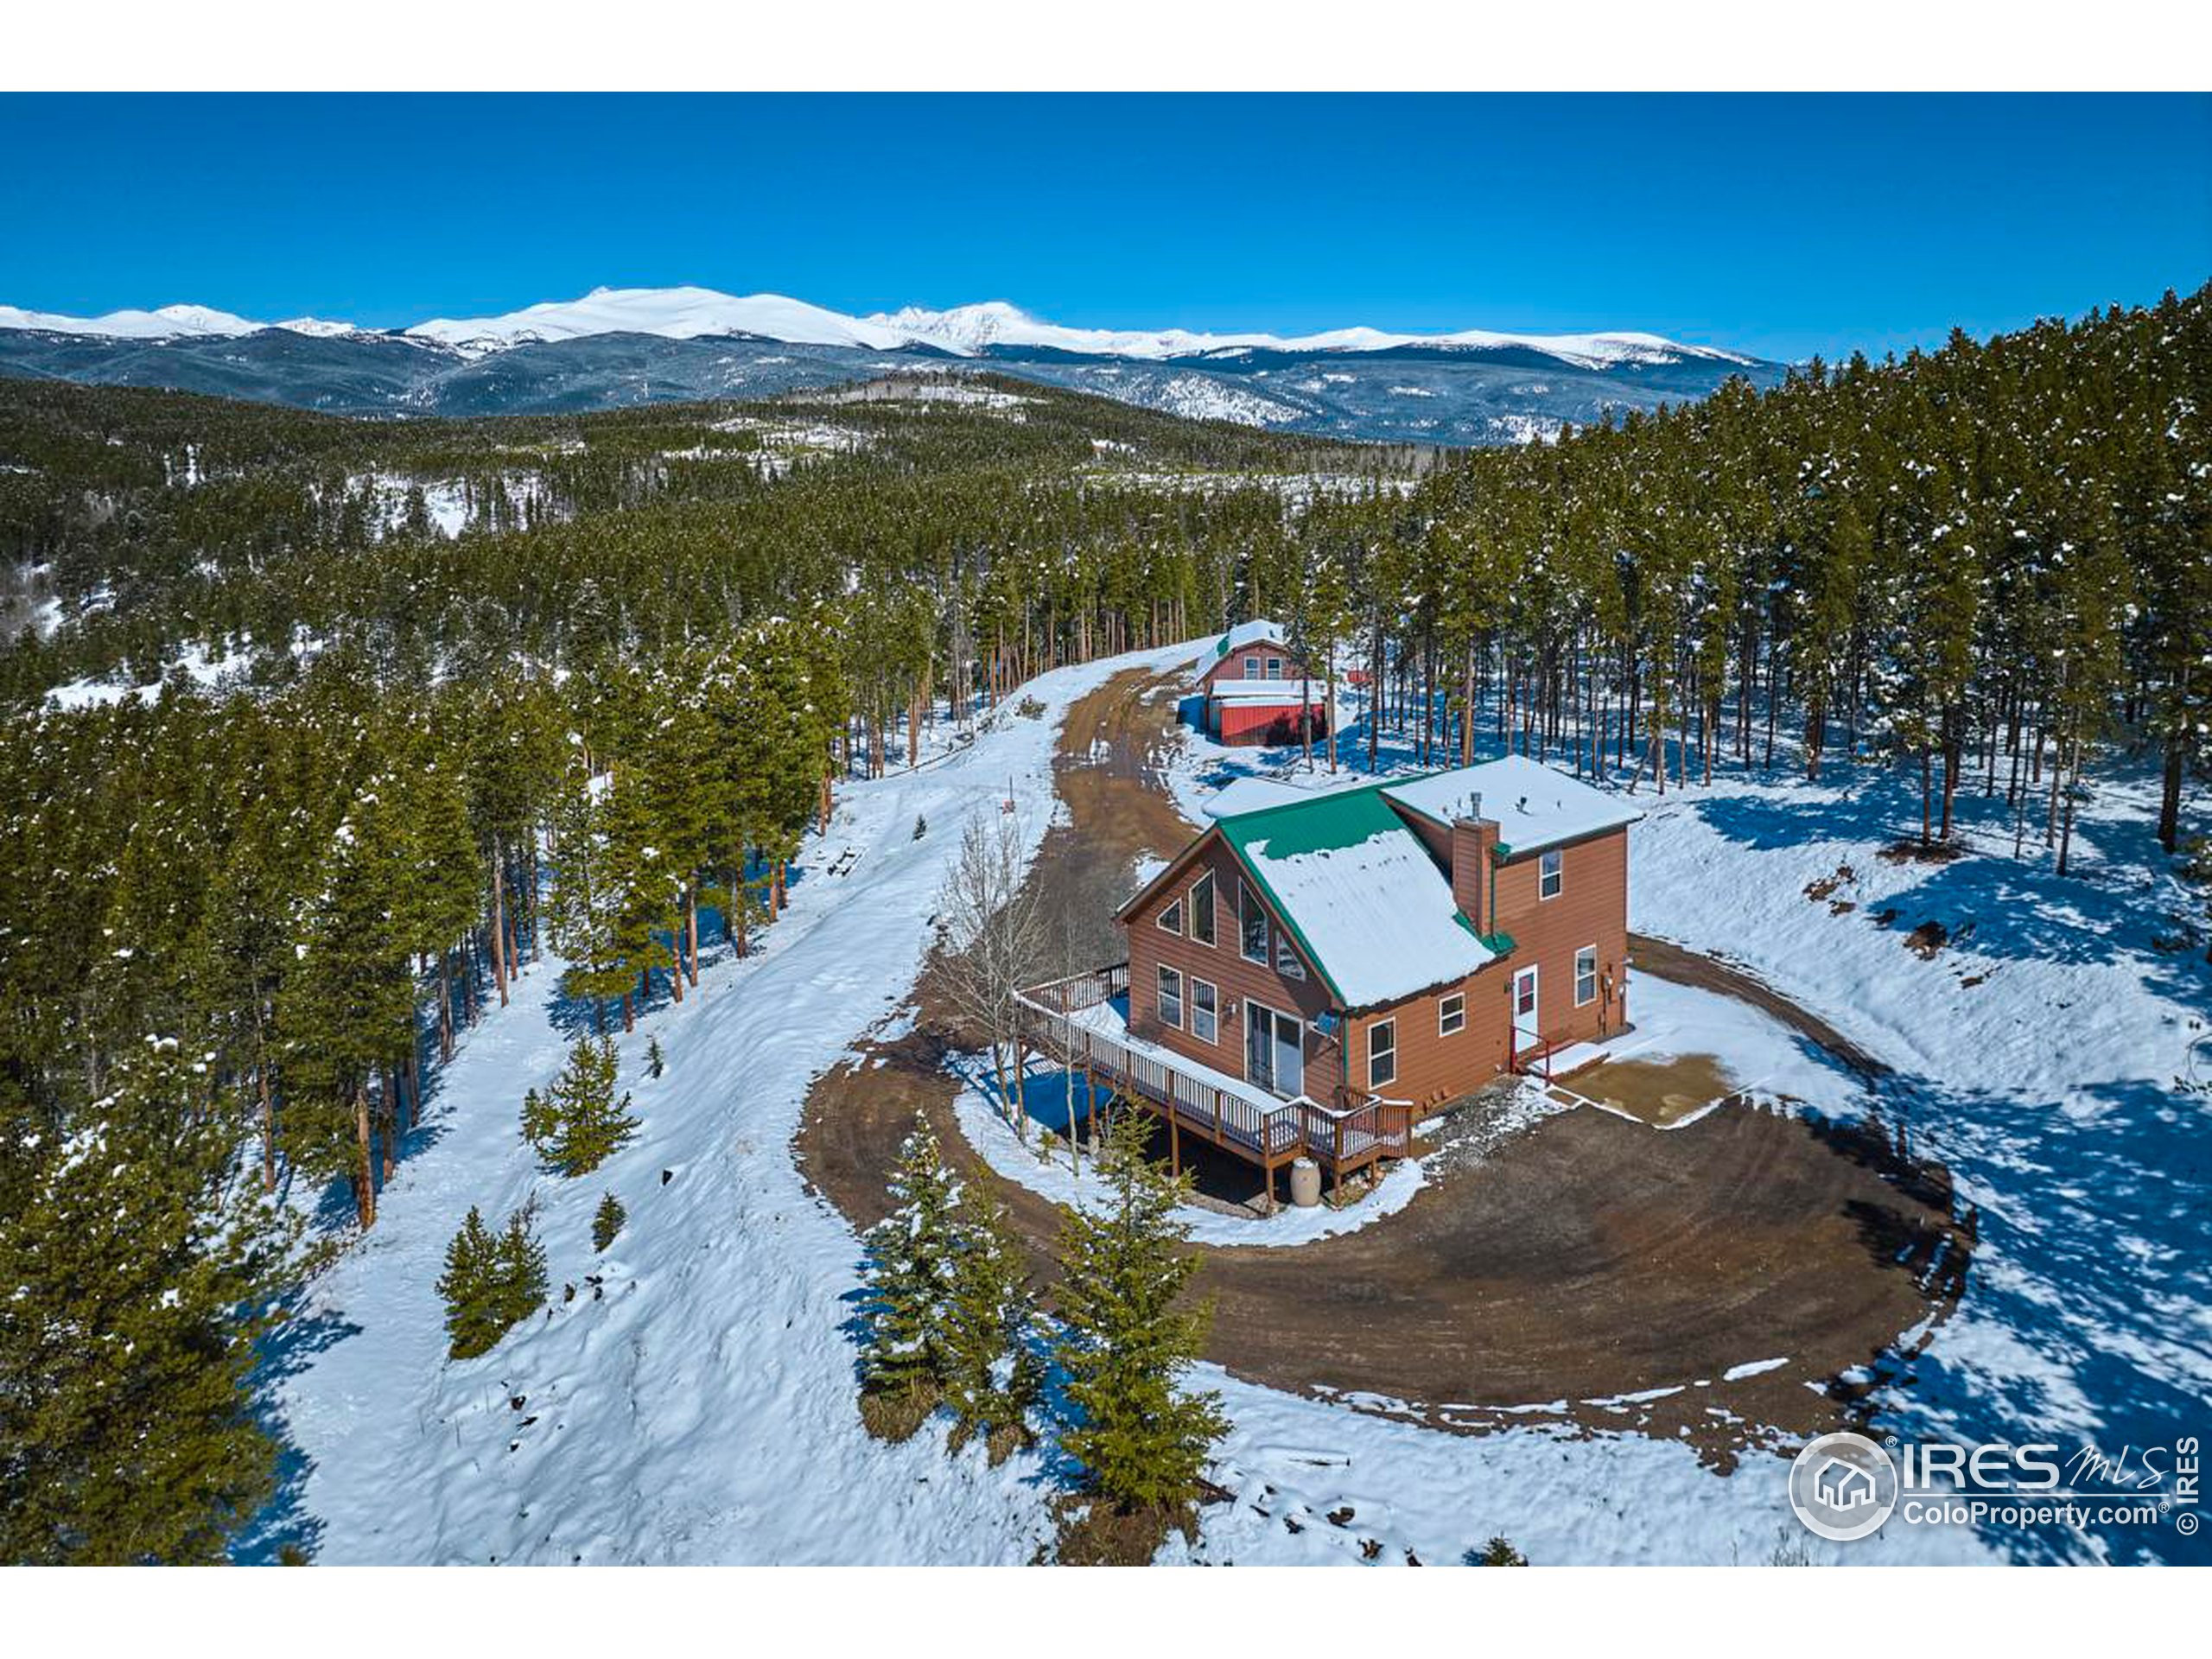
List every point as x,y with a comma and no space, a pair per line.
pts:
2185,1525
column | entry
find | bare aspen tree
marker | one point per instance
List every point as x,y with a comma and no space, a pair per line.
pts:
992,943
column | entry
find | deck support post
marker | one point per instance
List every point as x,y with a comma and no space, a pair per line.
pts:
1174,1145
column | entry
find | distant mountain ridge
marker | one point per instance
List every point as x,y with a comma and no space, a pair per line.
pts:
617,346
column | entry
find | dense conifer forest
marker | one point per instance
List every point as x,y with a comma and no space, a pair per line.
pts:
582,684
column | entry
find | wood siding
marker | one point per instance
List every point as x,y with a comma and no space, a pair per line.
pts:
1223,965
1231,667
1592,908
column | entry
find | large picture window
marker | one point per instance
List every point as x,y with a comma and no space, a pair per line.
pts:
1171,998
1382,1053
1251,924
1205,1011
1202,909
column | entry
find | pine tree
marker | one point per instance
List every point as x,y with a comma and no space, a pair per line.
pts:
1128,1342
655,1062
910,1262
470,1286
991,1374
521,1267
607,1221
141,1268
577,1124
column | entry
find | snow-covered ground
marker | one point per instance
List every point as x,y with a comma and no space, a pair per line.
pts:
694,1400
2040,1055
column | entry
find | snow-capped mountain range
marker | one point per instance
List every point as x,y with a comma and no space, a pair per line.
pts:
616,347
963,331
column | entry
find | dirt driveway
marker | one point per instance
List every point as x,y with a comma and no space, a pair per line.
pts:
1588,1270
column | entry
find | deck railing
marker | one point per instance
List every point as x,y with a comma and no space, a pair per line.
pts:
1340,1137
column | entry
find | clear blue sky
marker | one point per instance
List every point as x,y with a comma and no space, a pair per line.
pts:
1784,226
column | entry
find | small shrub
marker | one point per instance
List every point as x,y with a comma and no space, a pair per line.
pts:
607,1221
921,826
655,1062
1499,1551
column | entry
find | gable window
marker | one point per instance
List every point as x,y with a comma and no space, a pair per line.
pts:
1202,909
1275,668
1205,1010
1382,1053
1171,998
1251,924
1170,917
1586,976
1451,1015
1251,668
1551,874
1287,962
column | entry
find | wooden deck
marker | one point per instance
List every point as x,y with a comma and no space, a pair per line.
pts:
1081,1022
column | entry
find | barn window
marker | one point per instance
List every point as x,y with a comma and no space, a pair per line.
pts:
1552,876
1171,998
1252,924
1382,1053
1202,909
1205,1007
1586,976
1251,668
1171,918
1275,668
1451,1015
1287,962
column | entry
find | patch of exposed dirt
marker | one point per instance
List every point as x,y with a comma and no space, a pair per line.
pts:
1927,940
1604,1276
1910,851
1657,1092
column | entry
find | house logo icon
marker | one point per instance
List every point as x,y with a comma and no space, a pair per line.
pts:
1843,1486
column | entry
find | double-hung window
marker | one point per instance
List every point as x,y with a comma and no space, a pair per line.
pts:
1451,1015
1551,874
1251,668
1171,998
1586,976
1205,1011
1275,668
1382,1053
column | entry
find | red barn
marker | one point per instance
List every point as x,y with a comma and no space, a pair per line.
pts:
1254,688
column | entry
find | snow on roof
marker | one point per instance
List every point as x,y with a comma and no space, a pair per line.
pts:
1248,794
1244,633
1361,892
1282,690
1535,805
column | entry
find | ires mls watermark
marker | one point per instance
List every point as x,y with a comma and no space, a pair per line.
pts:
1844,1486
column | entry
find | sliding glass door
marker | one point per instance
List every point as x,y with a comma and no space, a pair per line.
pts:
1275,1049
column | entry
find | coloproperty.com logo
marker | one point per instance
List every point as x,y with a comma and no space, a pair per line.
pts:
1844,1486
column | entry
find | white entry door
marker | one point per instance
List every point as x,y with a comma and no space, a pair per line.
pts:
1525,1024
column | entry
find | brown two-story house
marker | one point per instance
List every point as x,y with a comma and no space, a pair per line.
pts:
1401,942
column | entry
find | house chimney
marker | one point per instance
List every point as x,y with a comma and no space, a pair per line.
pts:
1474,838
